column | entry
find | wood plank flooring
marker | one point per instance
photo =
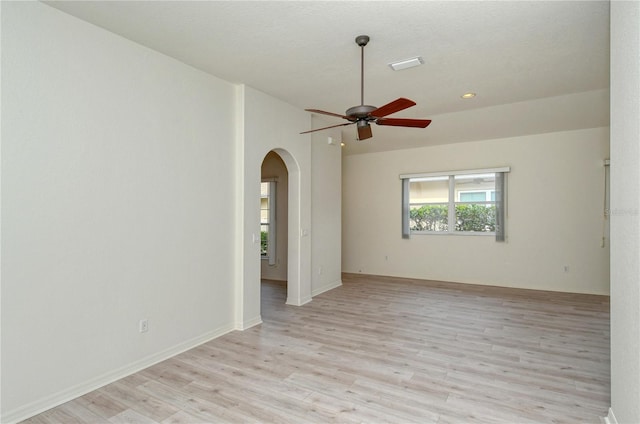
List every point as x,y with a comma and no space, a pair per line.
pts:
381,350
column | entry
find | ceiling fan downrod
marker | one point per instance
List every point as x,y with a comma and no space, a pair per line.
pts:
362,41
361,113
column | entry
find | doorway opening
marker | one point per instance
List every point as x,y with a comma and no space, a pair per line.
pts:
274,243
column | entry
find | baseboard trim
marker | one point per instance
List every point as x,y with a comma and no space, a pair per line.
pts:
302,301
326,288
51,401
361,275
249,323
610,418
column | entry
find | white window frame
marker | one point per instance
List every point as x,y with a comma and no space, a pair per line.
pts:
271,222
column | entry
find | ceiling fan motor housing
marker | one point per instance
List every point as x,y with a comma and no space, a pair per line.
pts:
360,112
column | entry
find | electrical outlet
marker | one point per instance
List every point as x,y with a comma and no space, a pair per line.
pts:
143,326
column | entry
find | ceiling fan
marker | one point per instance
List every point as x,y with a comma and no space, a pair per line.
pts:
363,115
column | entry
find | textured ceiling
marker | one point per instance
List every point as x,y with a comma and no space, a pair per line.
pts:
303,52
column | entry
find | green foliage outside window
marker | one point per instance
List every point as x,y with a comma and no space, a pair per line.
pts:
264,237
429,218
469,217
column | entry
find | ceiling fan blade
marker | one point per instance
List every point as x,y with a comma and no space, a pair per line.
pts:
364,132
404,122
322,112
324,128
393,107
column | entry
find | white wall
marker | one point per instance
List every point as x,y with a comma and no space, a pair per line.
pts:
130,190
555,214
625,211
269,124
326,189
118,205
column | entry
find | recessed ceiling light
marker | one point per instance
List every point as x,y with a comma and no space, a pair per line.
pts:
468,95
407,63
342,143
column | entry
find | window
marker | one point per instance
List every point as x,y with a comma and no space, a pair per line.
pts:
457,202
268,221
429,204
474,209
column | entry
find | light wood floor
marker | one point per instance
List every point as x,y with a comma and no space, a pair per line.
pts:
381,350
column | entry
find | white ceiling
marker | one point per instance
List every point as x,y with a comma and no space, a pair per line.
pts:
303,52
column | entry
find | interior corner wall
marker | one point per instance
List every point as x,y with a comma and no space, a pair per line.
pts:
625,212
326,216
118,205
555,214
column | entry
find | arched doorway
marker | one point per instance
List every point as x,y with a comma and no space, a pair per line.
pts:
247,291
274,211
298,248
